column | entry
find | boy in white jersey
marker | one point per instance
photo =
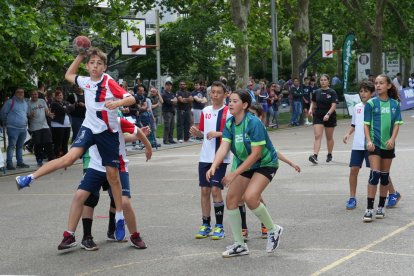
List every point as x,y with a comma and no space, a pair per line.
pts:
359,152
100,126
88,191
212,121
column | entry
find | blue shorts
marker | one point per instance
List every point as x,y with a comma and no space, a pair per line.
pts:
357,158
215,180
92,181
107,143
124,177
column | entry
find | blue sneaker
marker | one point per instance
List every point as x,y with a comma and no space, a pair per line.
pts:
218,232
351,203
393,199
120,230
204,231
23,182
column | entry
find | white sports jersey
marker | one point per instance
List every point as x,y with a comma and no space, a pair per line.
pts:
98,118
95,158
358,122
212,120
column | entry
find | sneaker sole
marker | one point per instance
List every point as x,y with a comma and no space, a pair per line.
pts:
216,238
264,236
136,246
367,219
114,240
89,249
201,237
237,255
278,243
380,217
72,245
313,161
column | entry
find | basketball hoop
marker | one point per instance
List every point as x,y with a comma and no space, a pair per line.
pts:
328,53
135,48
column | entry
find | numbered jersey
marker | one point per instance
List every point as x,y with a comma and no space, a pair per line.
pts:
212,120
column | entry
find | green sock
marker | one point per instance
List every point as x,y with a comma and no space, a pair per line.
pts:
235,223
262,213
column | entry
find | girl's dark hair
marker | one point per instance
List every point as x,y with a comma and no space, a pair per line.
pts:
367,85
326,76
258,108
244,97
393,93
219,84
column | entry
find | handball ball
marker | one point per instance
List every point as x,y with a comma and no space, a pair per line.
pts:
81,44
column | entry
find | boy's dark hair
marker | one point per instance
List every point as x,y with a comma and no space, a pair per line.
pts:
244,97
367,85
219,84
258,108
96,52
392,92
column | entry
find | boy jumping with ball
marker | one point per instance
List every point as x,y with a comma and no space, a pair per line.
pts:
103,97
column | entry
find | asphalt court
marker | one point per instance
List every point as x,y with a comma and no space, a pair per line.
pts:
320,236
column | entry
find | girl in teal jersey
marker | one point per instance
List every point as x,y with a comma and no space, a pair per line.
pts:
254,165
382,119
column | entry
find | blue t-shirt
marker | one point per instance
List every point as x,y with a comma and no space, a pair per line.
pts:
199,94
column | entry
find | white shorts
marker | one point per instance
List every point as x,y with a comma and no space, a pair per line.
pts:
197,115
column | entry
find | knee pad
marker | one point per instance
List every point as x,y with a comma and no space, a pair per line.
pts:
91,201
385,178
374,177
113,203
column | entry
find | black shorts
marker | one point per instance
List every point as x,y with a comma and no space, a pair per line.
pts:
269,172
384,154
318,119
215,180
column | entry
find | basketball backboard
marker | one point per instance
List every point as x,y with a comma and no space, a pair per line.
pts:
133,37
327,46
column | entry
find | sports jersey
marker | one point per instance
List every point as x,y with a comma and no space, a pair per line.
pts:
324,99
381,116
212,120
98,118
358,124
250,132
95,160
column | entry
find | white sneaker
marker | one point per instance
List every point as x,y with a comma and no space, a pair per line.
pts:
235,250
180,141
273,239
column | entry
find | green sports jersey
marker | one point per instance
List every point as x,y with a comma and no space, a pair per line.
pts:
250,132
382,116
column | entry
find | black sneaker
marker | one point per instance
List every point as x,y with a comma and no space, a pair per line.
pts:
368,215
173,142
10,167
22,166
329,157
88,244
313,159
67,242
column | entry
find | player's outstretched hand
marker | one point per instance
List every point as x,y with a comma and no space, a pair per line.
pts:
345,139
111,104
146,130
296,167
212,134
148,153
195,132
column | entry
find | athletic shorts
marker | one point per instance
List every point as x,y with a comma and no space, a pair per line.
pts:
215,180
42,136
384,154
357,158
197,115
107,143
269,172
318,119
92,181
124,176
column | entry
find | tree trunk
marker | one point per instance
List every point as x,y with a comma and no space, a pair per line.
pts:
300,36
239,14
376,55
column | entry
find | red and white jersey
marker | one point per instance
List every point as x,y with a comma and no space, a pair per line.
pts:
212,120
358,122
95,158
98,118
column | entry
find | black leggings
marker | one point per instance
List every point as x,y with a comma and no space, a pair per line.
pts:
60,140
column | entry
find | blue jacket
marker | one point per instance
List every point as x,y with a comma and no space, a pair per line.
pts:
15,116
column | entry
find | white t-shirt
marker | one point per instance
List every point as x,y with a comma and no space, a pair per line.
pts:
212,120
98,118
95,158
358,122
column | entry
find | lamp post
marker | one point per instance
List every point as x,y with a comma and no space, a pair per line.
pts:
274,41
